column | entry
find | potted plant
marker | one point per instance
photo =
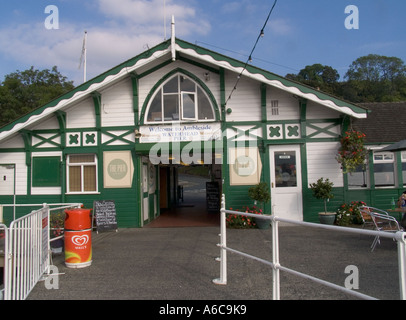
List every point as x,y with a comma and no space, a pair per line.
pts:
57,227
352,152
322,189
261,195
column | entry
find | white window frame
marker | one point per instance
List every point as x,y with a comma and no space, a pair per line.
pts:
385,158
81,165
180,108
182,93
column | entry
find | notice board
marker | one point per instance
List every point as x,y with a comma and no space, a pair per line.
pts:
105,215
213,196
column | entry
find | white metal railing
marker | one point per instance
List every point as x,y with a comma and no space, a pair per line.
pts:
27,250
275,264
3,255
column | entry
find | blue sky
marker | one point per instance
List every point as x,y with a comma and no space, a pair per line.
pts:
299,32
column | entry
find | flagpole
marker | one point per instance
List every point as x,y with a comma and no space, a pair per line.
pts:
85,56
164,21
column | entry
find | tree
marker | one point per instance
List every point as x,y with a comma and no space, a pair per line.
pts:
318,76
23,91
376,78
371,78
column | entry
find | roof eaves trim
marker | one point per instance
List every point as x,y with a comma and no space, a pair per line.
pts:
271,79
85,89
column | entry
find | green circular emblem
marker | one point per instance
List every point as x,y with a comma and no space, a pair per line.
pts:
117,169
244,166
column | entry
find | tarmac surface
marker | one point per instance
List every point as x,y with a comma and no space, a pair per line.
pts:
175,259
179,264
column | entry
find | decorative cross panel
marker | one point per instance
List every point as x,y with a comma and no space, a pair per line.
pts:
118,138
283,131
46,140
89,139
244,133
323,130
81,139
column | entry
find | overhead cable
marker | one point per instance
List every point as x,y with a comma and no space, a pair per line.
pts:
261,34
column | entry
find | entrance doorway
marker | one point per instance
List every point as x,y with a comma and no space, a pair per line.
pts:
286,181
183,196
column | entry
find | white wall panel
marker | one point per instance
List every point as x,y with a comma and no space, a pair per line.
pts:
321,162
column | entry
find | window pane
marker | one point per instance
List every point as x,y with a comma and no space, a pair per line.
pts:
89,176
358,178
74,179
81,158
285,169
171,107
187,85
171,86
205,109
155,110
188,106
384,174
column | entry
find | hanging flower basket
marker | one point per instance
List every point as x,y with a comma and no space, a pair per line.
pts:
352,152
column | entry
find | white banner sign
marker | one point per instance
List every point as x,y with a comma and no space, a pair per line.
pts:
180,132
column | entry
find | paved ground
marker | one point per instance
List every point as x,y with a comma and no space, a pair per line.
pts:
179,264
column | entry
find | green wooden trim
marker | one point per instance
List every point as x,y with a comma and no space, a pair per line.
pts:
134,83
45,140
119,137
96,96
325,130
61,117
398,168
154,69
223,95
371,170
198,64
46,171
271,76
303,118
85,86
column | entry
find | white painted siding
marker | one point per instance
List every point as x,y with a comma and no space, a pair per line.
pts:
288,106
50,123
17,158
14,142
81,115
321,162
245,101
117,105
316,111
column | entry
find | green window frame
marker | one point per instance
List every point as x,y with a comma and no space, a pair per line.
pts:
46,171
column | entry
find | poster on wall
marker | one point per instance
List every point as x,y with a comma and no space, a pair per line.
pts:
245,166
180,132
118,169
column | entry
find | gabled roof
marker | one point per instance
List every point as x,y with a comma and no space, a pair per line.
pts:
177,46
385,124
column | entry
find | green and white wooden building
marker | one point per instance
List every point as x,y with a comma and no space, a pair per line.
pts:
122,135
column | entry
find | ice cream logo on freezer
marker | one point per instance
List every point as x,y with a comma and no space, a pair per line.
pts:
80,240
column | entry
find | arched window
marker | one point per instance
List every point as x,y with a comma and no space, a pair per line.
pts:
179,99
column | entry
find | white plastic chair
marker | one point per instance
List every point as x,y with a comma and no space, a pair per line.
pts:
380,220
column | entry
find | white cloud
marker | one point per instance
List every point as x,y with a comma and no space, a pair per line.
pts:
125,29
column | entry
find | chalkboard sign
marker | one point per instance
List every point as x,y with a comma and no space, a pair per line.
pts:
105,215
213,197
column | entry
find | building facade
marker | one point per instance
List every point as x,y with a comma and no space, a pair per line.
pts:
122,135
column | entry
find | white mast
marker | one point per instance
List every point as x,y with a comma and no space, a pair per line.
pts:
173,42
83,57
164,20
